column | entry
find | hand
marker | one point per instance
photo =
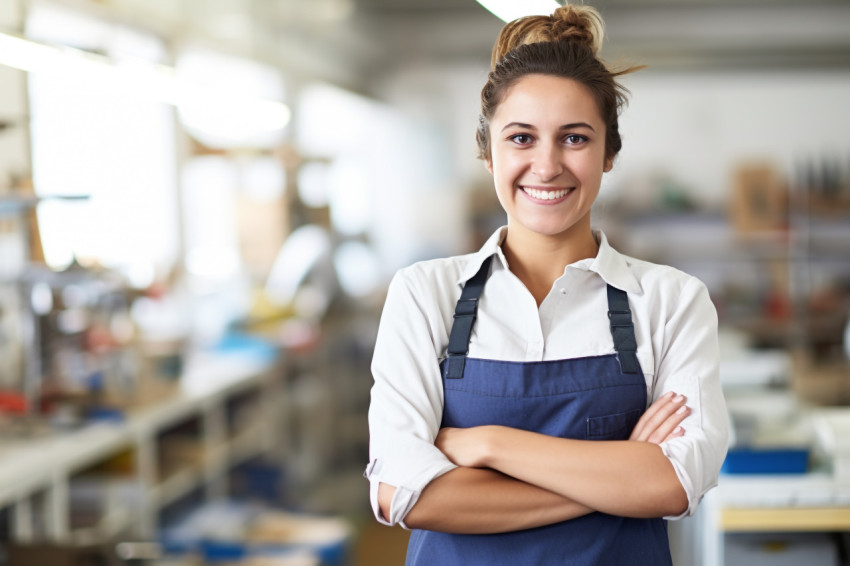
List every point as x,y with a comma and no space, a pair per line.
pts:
661,420
463,446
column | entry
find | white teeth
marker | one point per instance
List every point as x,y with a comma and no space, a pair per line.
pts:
546,195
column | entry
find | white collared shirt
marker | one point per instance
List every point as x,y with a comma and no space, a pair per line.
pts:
675,326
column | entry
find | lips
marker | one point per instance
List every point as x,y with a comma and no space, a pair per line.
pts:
546,194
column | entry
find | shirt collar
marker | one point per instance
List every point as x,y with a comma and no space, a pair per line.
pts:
614,267
493,245
611,265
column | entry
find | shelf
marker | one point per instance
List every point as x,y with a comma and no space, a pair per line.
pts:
176,486
711,237
814,519
31,464
37,473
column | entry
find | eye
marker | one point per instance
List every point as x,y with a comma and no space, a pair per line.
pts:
575,139
521,139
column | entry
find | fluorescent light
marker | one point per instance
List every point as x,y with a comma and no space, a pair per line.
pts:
141,78
508,10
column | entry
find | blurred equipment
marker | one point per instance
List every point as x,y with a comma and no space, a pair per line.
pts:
302,274
240,532
769,435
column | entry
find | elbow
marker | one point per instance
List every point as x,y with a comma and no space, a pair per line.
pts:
419,517
665,498
679,503
674,501
415,520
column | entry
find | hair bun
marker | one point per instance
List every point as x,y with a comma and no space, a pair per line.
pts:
581,24
578,23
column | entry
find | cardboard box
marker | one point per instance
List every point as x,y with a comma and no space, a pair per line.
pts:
759,200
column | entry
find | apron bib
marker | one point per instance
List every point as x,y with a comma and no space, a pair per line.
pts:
593,398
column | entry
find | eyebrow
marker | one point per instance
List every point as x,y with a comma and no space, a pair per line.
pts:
564,127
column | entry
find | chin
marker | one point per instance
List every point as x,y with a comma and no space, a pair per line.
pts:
548,229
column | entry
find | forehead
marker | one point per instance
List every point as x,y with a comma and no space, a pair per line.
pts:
546,98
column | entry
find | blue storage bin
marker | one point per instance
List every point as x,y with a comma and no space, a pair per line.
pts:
766,461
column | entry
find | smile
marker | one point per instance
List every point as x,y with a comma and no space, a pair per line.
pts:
546,195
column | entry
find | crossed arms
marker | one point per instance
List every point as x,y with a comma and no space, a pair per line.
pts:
510,479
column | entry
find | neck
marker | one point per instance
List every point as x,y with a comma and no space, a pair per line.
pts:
538,259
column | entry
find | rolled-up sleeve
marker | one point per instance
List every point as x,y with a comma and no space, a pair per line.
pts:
406,399
689,365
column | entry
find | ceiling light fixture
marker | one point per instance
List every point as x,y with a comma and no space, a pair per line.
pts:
508,10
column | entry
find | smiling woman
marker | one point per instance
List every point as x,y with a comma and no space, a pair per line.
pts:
547,159
505,401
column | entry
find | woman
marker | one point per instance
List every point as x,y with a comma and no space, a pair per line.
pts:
498,373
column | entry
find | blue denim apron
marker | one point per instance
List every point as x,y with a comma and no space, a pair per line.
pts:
593,398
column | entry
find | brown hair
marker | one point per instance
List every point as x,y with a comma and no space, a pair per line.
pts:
565,44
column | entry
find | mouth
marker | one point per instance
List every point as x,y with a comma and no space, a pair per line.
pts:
540,194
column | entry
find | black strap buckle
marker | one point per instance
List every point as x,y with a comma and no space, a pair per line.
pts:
620,318
466,307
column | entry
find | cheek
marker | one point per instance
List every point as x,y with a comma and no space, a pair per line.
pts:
505,165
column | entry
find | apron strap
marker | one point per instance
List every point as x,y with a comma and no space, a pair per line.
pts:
466,310
622,329
464,318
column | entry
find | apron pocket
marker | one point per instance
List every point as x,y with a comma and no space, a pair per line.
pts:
612,427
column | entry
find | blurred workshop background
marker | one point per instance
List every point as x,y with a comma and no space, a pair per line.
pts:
202,202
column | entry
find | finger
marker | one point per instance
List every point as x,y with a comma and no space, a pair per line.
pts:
650,413
669,426
677,432
660,431
663,409
656,414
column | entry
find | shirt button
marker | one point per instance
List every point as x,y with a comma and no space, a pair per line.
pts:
563,291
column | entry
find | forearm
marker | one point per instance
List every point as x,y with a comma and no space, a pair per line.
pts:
627,478
481,501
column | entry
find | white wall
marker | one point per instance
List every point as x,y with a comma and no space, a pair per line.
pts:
434,165
696,128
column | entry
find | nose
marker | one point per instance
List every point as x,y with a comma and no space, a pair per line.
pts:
547,163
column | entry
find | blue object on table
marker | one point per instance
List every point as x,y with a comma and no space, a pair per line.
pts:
215,551
105,414
247,344
766,461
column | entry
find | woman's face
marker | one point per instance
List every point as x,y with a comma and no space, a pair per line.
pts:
547,155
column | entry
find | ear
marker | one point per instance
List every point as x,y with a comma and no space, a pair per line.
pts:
488,163
608,165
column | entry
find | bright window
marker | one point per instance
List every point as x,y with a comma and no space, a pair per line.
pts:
89,138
